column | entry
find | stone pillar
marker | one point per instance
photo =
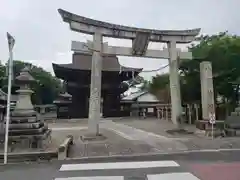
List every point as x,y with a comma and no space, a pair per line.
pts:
207,93
95,88
174,83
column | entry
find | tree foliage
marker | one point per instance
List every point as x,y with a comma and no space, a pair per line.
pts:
159,82
158,86
46,87
223,51
135,81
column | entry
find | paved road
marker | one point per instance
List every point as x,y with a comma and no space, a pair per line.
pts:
130,170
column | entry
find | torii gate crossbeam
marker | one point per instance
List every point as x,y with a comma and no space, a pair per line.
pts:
87,47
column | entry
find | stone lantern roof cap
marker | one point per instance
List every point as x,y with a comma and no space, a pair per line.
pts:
25,75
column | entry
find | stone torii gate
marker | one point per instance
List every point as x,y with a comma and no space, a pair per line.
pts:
140,40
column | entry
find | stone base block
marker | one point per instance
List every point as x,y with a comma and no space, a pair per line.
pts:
215,132
26,119
93,137
23,112
230,132
201,124
36,155
179,132
30,141
237,109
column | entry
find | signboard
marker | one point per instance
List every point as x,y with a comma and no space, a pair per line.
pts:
151,110
211,108
212,118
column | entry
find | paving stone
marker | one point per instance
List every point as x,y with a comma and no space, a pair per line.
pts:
150,138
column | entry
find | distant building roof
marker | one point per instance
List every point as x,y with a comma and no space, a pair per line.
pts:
83,62
142,96
133,96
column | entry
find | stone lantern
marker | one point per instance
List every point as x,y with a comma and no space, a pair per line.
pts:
24,104
26,130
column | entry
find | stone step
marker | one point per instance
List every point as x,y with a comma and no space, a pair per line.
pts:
44,135
237,109
26,125
24,113
19,132
234,114
16,120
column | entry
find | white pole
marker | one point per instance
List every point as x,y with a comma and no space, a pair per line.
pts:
8,103
212,131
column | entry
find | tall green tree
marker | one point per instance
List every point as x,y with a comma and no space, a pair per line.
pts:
223,51
159,86
159,82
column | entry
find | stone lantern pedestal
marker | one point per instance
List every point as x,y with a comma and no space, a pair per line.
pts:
26,129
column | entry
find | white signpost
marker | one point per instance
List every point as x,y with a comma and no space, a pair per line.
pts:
212,121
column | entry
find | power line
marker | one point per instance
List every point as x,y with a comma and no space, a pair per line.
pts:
154,70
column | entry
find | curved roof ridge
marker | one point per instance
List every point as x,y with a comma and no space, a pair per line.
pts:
72,66
68,16
129,68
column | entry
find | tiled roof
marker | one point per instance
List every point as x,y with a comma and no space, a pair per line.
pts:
83,62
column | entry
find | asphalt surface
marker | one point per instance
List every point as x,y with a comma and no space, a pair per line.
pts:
224,165
164,165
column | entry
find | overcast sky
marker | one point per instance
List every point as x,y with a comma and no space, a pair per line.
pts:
42,37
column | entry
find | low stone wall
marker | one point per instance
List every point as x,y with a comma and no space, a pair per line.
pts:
30,156
64,148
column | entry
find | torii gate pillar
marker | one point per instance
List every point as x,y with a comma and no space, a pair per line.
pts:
174,83
95,88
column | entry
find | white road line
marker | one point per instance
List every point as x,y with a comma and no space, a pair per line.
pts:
93,178
118,165
121,134
146,132
136,133
67,128
172,176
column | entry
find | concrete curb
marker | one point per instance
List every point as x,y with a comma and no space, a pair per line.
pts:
64,148
195,155
205,154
